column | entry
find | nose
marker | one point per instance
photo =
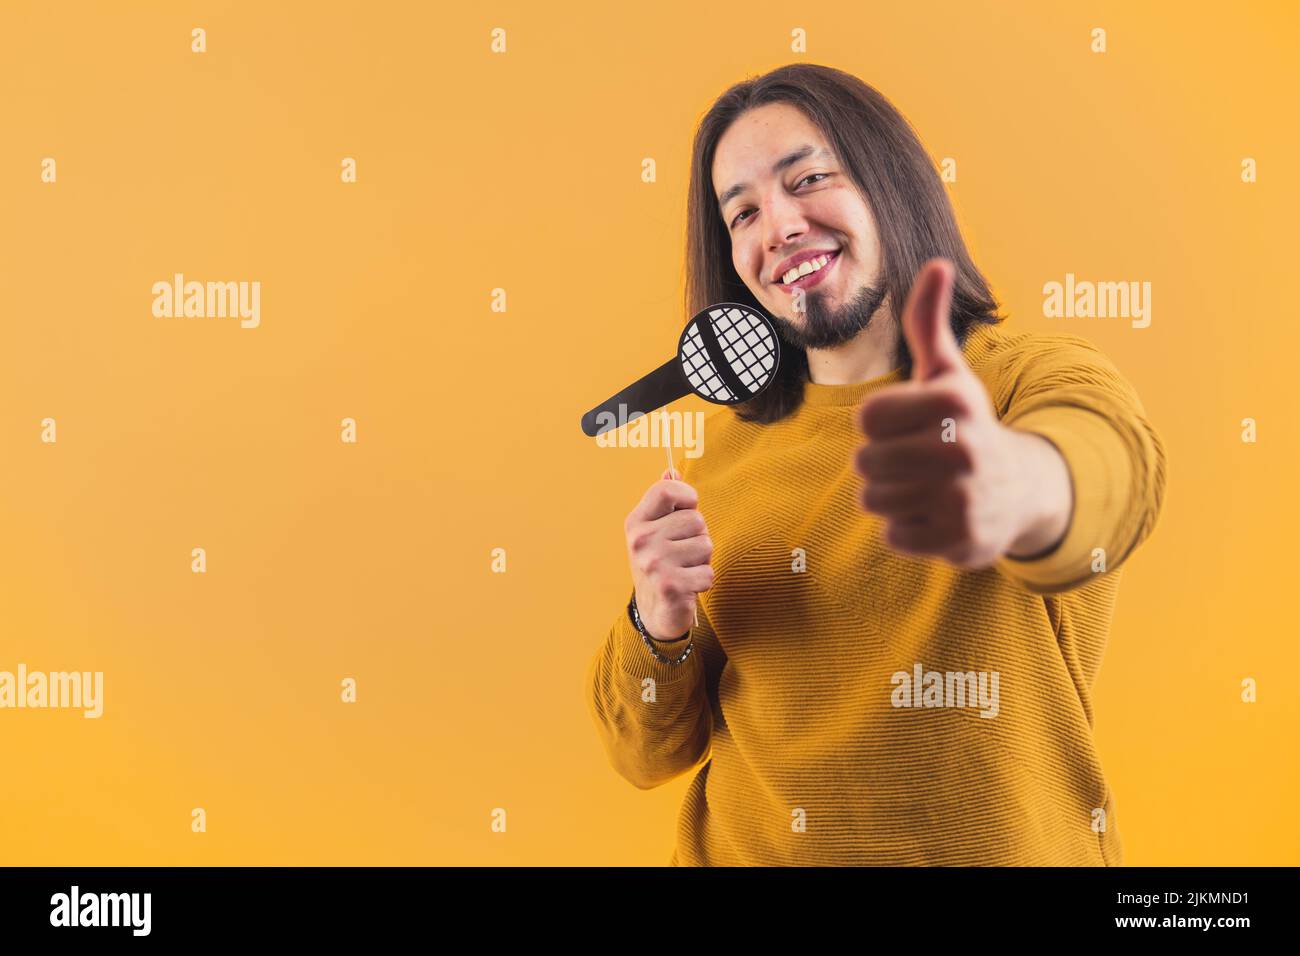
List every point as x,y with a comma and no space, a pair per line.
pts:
783,220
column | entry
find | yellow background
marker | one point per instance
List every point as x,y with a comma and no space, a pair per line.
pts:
522,171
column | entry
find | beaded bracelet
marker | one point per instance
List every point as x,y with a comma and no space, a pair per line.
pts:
651,641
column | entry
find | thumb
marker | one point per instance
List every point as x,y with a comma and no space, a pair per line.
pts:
927,325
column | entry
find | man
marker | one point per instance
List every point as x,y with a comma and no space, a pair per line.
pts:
913,539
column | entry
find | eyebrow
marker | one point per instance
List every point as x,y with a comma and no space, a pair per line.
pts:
785,162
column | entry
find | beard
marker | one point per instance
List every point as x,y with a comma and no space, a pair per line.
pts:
825,328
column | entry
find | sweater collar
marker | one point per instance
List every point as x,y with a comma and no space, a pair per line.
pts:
977,346
851,394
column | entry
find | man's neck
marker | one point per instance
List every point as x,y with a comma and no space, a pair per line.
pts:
869,355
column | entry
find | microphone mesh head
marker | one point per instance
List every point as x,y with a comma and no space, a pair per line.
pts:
729,353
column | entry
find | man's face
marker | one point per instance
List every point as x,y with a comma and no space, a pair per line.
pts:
790,208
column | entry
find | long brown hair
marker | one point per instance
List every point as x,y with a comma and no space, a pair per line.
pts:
896,177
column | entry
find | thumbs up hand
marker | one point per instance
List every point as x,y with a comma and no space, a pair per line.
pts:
947,476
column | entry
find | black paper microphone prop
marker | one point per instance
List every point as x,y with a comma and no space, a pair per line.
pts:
727,354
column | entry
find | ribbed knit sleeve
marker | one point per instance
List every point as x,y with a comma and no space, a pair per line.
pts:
653,719
1062,388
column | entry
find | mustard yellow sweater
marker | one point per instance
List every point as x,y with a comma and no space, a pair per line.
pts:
849,705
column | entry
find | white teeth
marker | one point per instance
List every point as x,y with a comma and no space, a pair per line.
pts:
806,267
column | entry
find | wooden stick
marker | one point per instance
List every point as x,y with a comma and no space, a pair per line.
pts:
672,473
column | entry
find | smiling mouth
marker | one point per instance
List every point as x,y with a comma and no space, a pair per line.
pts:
811,278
